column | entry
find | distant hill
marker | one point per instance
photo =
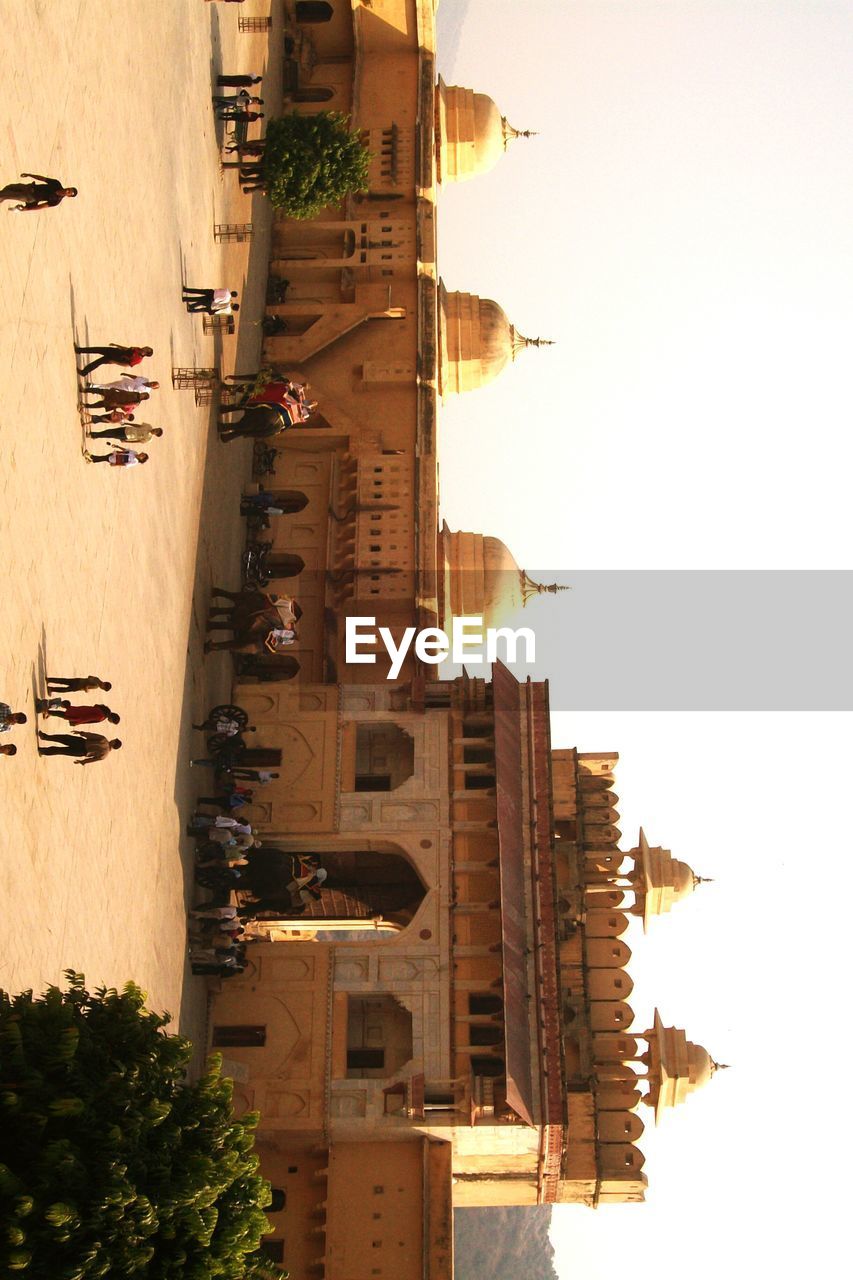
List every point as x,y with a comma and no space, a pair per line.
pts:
503,1244
448,32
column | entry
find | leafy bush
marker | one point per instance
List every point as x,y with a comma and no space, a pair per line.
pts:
111,1161
311,161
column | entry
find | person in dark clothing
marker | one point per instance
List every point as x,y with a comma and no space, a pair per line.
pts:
88,747
44,193
76,684
125,357
237,82
238,100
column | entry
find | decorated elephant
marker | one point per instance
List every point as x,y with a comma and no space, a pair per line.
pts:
259,622
258,422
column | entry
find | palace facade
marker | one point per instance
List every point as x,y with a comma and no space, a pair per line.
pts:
450,1024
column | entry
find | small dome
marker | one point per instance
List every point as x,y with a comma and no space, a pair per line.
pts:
477,341
502,596
471,133
677,1067
481,579
683,880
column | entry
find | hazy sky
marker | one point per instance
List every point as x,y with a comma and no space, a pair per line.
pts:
682,226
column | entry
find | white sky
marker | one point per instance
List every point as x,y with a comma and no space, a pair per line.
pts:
683,228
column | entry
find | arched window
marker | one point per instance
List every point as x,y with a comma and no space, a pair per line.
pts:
284,564
384,757
313,11
278,1202
379,1037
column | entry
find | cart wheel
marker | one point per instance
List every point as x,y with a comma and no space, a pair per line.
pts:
227,711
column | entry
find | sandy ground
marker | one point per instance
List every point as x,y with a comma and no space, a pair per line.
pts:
108,572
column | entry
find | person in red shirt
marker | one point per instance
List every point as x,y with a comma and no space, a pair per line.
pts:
125,357
78,715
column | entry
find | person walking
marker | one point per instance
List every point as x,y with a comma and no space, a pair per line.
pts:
89,748
237,82
213,301
133,433
44,193
125,383
239,113
77,715
236,100
118,457
113,354
76,684
126,400
115,415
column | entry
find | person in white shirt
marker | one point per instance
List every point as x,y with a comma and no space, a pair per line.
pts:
215,302
125,383
132,433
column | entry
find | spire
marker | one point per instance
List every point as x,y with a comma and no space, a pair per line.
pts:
510,133
530,588
520,343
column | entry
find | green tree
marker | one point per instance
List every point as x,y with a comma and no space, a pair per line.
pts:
112,1162
311,161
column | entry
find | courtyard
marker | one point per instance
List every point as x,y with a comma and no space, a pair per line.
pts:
108,572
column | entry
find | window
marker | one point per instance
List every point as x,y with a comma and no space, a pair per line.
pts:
485,1004
365,1059
379,1191
278,1202
372,782
485,1035
272,1249
483,1066
313,11
239,1037
292,1168
479,781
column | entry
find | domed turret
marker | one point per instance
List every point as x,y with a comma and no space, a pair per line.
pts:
659,879
477,341
471,134
502,581
677,1066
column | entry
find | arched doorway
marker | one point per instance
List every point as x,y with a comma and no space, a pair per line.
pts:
361,884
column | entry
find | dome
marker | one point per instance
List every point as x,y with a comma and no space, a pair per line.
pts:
501,583
481,578
471,133
660,879
477,341
677,1068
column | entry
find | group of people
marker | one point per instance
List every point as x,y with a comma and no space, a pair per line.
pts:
212,302
119,397
85,746
8,718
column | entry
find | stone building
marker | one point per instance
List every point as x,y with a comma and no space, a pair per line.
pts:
449,1024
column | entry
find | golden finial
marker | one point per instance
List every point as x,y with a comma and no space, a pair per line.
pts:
519,342
530,588
509,132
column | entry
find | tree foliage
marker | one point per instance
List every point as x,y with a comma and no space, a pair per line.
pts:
311,161
111,1161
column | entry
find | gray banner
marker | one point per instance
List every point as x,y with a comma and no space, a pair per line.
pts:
685,641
